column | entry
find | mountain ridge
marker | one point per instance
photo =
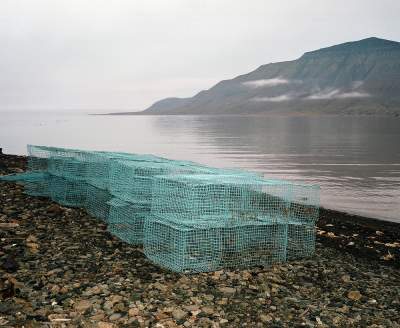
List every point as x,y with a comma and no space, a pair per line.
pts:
358,77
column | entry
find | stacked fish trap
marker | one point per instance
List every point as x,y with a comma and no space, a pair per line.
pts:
131,184
209,222
188,217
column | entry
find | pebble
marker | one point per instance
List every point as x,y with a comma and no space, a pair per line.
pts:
133,312
266,318
228,290
115,316
346,278
103,324
354,295
207,310
83,306
179,314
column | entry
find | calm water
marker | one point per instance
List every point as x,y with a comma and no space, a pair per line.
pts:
355,160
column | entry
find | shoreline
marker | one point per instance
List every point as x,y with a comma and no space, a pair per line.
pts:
261,114
60,267
369,238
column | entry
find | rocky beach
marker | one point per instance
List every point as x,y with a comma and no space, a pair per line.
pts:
59,267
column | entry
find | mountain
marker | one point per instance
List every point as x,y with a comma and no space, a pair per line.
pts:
361,77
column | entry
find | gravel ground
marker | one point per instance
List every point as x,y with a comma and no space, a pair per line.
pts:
59,267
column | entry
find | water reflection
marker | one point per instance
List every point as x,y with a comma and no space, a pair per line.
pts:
355,160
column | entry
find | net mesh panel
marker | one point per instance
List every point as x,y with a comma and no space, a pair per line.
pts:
39,156
93,167
67,167
209,222
105,162
66,192
36,183
133,180
126,220
191,248
37,164
220,197
97,202
303,215
24,176
132,187
38,187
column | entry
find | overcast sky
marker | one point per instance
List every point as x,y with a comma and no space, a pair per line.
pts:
126,54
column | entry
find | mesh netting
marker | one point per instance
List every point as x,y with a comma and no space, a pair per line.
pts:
25,176
126,220
190,247
303,215
38,188
66,192
131,184
208,222
220,197
39,156
97,202
190,217
37,164
133,180
35,183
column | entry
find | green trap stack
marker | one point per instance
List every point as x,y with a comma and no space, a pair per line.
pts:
189,217
210,222
131,185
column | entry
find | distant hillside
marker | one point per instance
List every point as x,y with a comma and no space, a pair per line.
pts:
361,77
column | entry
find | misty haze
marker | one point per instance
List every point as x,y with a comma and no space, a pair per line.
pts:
199,163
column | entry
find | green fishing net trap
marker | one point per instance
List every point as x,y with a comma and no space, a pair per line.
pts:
131,185
188,217
209,222
126,219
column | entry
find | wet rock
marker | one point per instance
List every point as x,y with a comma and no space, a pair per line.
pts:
103,324
8,225
83,306
58,318
93,291
53,272
10,264
7,307
33,247
99,316
108,305
207,310
354,295
54,209
179,314
227,290
346,278
133,312
119,307
115,316
266,318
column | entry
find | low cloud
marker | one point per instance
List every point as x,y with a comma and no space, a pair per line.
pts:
337,94
280,98
354,92
357,84
265,82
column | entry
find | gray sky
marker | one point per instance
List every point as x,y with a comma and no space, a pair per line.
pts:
112,55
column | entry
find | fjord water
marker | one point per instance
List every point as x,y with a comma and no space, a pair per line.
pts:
355,160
